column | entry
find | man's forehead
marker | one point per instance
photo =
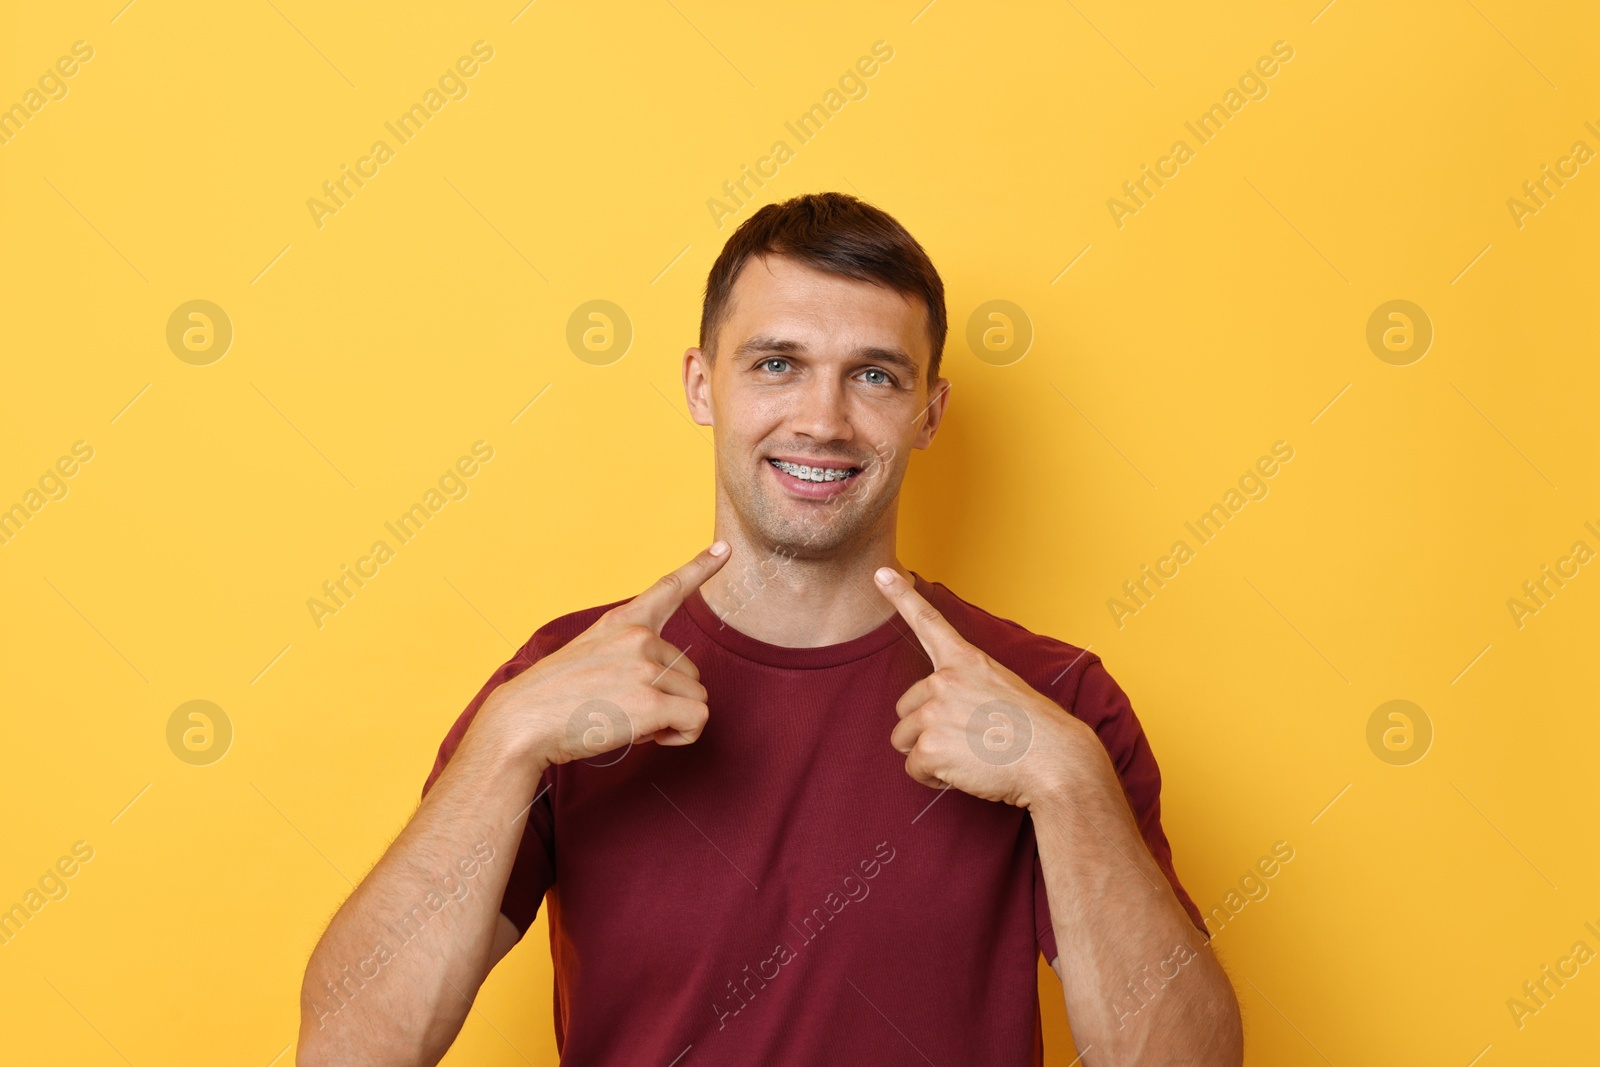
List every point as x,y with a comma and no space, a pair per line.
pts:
777,302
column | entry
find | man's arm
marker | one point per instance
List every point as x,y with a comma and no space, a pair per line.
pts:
395,973
505,938
975,724
1142,985
392,980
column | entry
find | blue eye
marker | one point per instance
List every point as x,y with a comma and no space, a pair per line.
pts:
876,370
767,363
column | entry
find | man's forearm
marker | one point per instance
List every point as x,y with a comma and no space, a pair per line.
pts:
1141,984
392,979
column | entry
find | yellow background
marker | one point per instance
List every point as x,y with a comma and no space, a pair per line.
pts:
1229,313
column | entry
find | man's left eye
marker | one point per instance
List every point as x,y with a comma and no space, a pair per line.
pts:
883,376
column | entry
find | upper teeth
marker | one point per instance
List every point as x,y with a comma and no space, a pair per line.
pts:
813,474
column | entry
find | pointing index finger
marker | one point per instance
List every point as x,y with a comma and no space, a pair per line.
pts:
939,639
655,605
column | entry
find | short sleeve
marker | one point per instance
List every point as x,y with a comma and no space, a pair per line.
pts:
533,869
1101,703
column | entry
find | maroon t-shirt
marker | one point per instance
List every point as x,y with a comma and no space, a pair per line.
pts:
781,891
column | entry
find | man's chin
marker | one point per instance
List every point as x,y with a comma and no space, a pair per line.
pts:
836,537
810,550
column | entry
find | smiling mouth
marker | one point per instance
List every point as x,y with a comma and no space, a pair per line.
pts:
815,474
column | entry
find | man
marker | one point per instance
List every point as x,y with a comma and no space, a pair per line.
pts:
793,804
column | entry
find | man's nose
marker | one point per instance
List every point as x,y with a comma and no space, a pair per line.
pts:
821,411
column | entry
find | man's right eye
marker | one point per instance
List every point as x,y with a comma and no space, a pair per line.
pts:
768,364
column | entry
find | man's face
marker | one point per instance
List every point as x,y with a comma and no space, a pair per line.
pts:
818,371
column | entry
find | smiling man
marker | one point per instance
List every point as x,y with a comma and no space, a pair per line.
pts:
794,803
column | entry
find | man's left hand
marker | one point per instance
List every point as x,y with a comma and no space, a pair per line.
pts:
975,725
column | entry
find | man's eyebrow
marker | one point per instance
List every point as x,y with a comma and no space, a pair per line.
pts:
768,345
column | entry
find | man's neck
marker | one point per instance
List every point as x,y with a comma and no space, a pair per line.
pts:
800,603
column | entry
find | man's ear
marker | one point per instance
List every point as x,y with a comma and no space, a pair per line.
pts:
933,414
697,385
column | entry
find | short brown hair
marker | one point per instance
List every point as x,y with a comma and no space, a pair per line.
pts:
836,233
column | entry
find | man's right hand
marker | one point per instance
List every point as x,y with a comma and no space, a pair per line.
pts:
615,684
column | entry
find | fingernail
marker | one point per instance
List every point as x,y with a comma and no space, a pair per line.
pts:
719,548
885,575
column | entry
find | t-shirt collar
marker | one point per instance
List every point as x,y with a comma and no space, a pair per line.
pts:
741,644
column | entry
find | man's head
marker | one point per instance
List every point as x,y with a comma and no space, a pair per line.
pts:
820,342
